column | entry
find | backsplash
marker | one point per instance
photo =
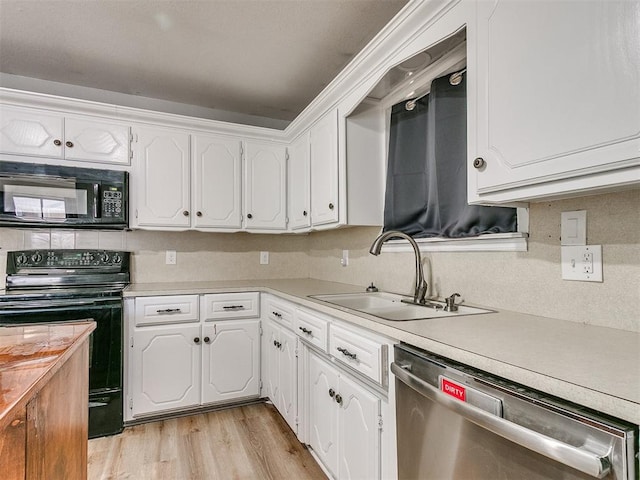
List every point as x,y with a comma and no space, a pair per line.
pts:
528,282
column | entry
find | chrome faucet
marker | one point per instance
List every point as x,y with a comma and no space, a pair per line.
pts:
421,285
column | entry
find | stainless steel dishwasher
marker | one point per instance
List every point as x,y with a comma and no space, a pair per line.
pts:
455,422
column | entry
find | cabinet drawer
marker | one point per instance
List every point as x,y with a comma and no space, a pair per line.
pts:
358,352
280,313
312,328
231,305
166,309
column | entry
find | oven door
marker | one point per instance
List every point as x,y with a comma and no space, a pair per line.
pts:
105,349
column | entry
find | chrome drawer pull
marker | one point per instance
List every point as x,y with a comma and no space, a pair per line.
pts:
306,330
169,311
233,307
347,353
276,314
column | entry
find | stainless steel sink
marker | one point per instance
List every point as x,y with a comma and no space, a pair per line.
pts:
390,306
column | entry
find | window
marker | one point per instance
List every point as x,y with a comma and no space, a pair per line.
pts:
426,192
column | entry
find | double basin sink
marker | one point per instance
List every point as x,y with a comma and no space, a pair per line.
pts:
390,306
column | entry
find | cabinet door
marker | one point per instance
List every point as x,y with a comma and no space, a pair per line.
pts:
167,368
272,357
265,186
323,412
216,182
25,131
358,432
287,392
162,178
556,105
298,179
96,141
230,360
324,170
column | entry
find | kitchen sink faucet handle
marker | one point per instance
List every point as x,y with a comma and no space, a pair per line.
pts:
451,303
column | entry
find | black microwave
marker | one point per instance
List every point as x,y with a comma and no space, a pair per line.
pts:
39,195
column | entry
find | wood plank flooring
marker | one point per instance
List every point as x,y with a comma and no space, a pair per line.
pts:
248,442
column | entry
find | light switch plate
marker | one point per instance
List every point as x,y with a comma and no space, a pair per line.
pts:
582,263
171,257
573,228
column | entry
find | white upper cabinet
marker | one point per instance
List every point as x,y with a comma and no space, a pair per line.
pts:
25,131
40,133
161,178
324,170
265,193
96,141
217,182
299,217
558,102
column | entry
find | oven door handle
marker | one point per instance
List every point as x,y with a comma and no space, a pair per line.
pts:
587,462
35,304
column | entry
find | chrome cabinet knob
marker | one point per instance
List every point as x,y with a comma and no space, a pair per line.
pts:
331,206
69,144
57,142
332,392
479,162
249,216
207,340
339,399
185,213
304,213
199,214
196,340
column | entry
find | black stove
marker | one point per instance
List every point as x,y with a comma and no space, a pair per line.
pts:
44,286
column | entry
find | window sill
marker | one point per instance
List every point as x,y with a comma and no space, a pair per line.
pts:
499,242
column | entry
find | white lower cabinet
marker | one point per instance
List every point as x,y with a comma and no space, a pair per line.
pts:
173,365
230,360
166,373
281,370
343,422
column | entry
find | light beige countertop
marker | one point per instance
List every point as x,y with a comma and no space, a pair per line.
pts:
593,366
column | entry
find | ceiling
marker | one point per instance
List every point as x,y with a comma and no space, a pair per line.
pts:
260,58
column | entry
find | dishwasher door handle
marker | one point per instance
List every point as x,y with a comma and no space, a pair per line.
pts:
574,457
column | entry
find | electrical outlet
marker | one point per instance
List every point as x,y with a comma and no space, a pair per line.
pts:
344,261
171,257
582,263
264,258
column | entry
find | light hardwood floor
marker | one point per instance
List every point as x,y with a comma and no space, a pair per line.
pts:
248,442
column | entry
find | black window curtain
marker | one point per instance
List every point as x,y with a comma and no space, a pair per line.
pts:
426,192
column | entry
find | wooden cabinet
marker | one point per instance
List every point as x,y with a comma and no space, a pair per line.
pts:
556,114
188,350
217,182
161,180
265,186
343,422
42,133
44,413
324,169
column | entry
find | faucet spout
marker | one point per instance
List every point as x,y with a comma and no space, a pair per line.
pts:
420,290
